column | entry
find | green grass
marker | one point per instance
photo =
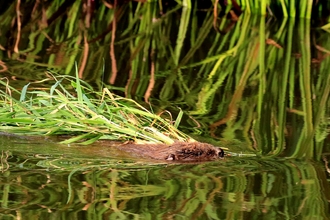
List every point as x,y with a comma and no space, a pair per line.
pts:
79,111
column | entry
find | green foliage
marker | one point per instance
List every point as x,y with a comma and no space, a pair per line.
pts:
263,84
86,114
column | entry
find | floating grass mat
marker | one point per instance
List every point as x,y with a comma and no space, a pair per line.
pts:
71,107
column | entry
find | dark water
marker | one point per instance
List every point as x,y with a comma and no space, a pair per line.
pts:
261,88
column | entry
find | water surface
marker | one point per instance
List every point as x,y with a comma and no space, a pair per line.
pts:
42,179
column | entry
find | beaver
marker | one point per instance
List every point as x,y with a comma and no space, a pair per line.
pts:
178,151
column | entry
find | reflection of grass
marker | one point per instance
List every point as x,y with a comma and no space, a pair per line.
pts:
234,187
89,115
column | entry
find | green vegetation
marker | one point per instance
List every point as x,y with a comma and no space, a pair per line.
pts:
86,114
145,71
261,83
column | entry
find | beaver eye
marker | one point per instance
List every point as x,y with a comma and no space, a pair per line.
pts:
221,153
171,157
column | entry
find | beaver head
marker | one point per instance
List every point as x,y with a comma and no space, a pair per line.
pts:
194,151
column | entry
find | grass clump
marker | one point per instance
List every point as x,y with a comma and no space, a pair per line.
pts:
82,113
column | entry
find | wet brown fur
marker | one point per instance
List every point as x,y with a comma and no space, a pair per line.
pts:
179,151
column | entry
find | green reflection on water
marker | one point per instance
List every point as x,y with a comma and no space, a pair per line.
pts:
41,179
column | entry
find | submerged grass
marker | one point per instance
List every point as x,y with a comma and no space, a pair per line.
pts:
86,115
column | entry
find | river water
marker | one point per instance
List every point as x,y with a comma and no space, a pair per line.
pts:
45,180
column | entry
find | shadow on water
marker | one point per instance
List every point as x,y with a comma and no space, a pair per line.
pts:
44,179
262,87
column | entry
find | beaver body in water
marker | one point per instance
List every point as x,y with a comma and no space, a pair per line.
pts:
178,151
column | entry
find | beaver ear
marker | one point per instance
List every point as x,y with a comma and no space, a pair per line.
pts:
221,153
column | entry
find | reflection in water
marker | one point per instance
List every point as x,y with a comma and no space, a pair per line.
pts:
59,181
